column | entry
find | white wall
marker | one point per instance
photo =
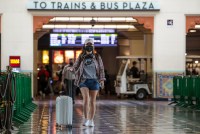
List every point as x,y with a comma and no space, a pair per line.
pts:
169,42
17,34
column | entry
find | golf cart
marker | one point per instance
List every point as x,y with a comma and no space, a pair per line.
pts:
126,85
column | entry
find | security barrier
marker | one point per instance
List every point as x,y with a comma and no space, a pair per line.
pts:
187,91
15,99
23,106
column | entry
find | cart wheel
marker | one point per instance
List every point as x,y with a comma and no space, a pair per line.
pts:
141,94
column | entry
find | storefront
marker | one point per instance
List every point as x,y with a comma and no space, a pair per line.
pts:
165,19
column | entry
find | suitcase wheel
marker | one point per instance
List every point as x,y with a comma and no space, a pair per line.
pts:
57,125
69,126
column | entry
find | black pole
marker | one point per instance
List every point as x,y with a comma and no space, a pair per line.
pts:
8,102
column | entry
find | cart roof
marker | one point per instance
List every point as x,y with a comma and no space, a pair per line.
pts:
134,57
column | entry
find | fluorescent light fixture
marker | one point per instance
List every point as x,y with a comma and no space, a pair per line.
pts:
60,26
87,19
89,26
98,26
85,26
118,19
98,19
193,31
73,26
104,19
122,26
110,26
197,26
48,26
61,19
130,19
76,18
132,27
196,61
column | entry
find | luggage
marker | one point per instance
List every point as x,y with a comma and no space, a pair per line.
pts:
64,111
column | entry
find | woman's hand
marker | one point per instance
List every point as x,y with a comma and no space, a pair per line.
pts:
70,69
102,84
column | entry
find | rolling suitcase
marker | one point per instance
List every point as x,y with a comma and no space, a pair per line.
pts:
64,111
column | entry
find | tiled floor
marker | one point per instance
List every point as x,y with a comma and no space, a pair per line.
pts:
117,117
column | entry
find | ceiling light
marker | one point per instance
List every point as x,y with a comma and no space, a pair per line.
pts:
48,26
73,26
110,26
118,19
76,18
61,19
98,26
197,26
87,19
196,61
89,26
122,26
104,19
60,26
193,31
130,19
85,26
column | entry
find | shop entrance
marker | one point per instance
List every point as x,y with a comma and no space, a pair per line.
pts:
192,45
58,39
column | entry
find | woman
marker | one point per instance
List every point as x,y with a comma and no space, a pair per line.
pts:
90,77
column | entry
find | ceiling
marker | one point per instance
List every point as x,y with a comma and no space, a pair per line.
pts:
135,32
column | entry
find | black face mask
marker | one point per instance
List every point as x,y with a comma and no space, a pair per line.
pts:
71,63
89,48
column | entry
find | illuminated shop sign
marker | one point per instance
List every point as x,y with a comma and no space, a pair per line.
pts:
14,61
61,5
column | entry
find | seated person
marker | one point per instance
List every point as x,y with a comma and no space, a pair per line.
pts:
134,70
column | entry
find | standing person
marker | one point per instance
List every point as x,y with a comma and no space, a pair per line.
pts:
134,70
90,76
68,78
49,81
107,82
43,76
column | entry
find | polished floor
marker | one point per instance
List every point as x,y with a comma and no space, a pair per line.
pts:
117,116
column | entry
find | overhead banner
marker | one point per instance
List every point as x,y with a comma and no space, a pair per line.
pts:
113,6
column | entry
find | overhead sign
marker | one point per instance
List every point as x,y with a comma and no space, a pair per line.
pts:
114,6
14,61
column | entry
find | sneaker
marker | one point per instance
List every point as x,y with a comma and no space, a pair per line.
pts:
91,123
40,93
86,123
43,95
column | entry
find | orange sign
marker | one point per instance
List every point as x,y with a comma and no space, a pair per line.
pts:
14,61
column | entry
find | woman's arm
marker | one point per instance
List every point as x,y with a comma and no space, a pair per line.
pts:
101,69
77,64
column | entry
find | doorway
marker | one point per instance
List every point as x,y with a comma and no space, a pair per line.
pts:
134,37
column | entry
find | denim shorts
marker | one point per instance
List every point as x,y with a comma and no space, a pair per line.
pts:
92,84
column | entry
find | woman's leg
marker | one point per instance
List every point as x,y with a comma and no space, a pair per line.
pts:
86,99
93,95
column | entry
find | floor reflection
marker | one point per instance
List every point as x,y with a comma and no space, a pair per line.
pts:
116,117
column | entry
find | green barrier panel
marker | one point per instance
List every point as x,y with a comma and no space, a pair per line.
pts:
18,114
197,93
192,90
186,87
177,89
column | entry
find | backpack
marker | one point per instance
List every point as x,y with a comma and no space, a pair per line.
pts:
43,77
